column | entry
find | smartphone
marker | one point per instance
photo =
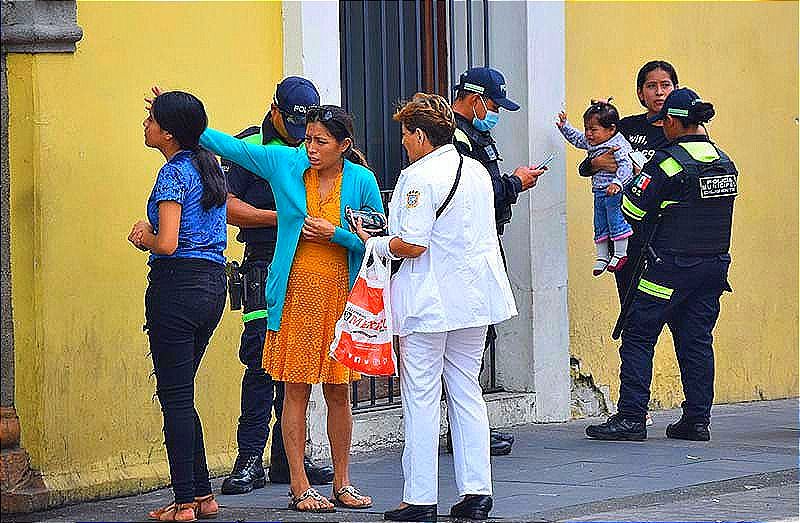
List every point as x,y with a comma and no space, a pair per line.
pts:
547,161
637,158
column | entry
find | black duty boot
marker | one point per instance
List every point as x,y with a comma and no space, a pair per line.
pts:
247,474
617,428
473,506
317,475
504,436
412,513
498,447
691,430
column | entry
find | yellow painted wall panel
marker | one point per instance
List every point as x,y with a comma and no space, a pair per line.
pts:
744,58
90,176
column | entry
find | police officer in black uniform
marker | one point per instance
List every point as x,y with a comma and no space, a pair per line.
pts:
479,95
251,207
684,197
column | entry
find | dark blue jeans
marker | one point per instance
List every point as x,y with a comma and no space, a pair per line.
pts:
183,305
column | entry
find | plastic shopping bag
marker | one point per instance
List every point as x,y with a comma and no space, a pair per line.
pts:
363,337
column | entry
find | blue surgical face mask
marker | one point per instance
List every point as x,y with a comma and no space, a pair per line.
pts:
488,122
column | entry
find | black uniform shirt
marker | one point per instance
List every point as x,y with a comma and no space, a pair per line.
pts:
253,189
654,186
481,146
643,136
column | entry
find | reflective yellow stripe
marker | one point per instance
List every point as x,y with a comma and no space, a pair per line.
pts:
667,203
670,166
701,151
654,289
462,137
630,209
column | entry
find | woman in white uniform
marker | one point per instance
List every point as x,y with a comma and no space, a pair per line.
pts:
450,286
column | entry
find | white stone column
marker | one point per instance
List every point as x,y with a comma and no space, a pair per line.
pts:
311,50
527,45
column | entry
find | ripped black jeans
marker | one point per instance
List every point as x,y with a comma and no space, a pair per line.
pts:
183,305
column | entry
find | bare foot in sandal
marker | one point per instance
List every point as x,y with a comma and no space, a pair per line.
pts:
310,501
350,497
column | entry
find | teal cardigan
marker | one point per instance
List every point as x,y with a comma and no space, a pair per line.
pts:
284,167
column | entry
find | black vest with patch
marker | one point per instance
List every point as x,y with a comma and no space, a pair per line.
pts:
699,222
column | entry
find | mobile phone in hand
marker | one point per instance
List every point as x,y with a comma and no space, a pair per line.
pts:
546,162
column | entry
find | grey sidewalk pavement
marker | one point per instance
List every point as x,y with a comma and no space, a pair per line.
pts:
749,471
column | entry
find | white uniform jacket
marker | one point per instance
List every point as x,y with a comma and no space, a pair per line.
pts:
459,281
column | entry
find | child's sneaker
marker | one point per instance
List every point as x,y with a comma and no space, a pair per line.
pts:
617,263
599,267
648,420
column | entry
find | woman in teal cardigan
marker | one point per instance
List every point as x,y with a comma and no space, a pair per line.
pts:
315,264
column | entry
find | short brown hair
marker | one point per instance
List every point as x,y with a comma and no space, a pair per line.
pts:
431,113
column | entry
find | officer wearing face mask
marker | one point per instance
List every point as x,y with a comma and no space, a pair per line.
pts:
480,94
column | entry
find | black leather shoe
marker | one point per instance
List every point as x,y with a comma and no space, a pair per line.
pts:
412,513
247,474
504,436
617,428
473,506
691,430
498,447
317,475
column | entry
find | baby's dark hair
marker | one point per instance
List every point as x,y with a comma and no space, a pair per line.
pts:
606,114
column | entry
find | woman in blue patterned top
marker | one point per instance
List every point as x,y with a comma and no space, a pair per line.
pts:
186,235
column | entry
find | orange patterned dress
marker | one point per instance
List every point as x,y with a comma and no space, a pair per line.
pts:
315,298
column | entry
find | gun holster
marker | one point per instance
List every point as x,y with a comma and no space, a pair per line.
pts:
254,278
235,285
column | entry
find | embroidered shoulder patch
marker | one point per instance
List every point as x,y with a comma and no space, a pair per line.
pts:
642,181
412,199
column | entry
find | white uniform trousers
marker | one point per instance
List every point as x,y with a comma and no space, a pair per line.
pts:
424,359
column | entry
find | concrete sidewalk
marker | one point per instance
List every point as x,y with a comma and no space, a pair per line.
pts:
747,472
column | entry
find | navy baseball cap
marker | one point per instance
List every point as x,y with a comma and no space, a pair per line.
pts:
488,82
677,103
293,96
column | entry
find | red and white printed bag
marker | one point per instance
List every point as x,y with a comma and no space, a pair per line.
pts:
363,339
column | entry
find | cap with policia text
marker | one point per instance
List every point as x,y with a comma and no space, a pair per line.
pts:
488,82
677,103
293,97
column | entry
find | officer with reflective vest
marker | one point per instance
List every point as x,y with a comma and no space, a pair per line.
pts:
684,196
251,207
479,95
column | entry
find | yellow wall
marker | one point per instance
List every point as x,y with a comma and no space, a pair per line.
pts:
80,177
744,58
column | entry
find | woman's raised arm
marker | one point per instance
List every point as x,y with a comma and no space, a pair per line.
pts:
263,160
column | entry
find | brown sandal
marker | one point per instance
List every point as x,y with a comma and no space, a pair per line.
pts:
354,493
206,507
184,512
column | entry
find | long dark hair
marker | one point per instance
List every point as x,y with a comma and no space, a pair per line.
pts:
339,123
184,117
653,65
700,113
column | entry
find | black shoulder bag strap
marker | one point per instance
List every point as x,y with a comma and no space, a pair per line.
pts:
453,189
395,264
